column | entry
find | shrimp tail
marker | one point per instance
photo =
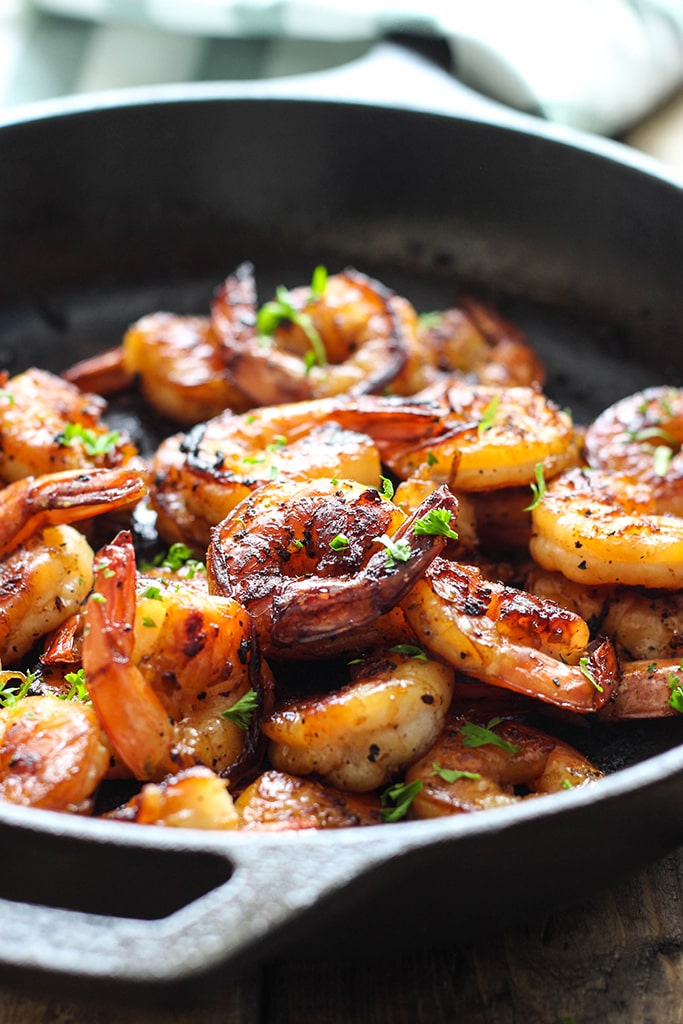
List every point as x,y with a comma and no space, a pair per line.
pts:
135,721
29,504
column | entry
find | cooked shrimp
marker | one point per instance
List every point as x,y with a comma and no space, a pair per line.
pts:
53,754
489,438
358,737
200,477
28,505
193,798
597,527
641,437
42,583
475,765
643,624
167,672
277,801
473,342
310,561
345,338
508,638
179,364
647,689
47,426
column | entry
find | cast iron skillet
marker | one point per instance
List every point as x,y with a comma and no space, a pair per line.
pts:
114,206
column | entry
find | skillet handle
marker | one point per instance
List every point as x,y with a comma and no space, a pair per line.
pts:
154,915
402,72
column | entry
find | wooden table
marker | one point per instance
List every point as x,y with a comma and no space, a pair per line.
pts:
617,957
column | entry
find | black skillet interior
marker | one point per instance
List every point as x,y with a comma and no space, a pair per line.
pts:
112,212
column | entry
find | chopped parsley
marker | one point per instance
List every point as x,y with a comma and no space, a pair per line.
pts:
397,551
387,488
93,442
453,774
586,671
396,800
339,543
489,414
537,488
242,711
479,736
10,694
661,459
410,651
435,524
178,557
78,689
676,696
281,309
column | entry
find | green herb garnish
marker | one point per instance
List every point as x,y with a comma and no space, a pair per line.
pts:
478,736
94,443
586,671
488,415
396,800
410,651
242,711
435,524
537,488
397,551
453,774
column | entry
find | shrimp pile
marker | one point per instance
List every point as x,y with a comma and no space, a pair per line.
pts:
388,568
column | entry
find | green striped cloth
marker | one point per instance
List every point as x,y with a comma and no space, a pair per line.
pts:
599,65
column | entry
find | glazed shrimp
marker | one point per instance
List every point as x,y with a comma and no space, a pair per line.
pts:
201,476
475,765
277,801
345,338
489,438
472,342
193,798
165,670
28,505
42,584
641,437
313,562
53,754
47,426
359,737
508,638
597,527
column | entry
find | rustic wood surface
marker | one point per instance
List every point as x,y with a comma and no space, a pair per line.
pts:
617,958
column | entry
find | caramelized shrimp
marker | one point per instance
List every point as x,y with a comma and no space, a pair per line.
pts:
474,343
200,477
346,338
508,638
48,426
489,438
597,527
165,671
640,437
359,737
277,801
313,562
475,765
179,364
42,584
53,754
193,798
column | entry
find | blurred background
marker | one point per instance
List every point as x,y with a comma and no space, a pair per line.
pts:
603,66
